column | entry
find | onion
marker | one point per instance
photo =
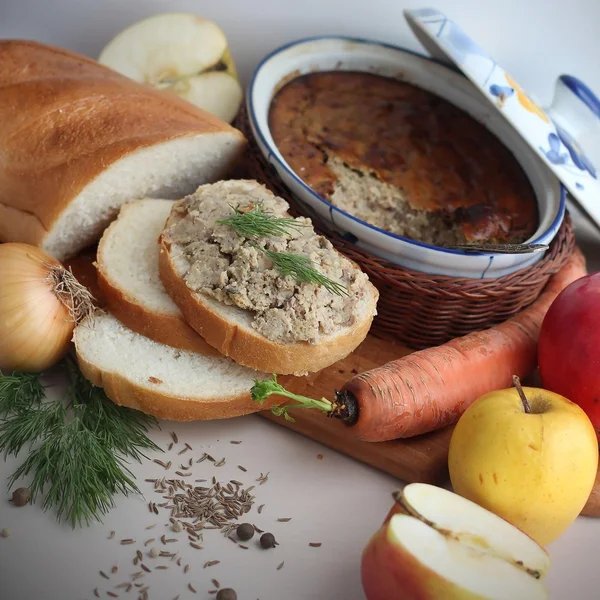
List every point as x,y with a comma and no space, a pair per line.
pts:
40,304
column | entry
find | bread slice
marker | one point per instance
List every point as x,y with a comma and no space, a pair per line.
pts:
229,328
127,265
78,140
159,380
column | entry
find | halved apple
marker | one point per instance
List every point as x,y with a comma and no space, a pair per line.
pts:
438,545
181,52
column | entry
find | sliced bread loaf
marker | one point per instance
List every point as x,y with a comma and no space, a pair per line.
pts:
78,140
193,232
159,380
127,265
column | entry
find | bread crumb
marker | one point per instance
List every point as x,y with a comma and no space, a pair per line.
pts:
155,380
4,533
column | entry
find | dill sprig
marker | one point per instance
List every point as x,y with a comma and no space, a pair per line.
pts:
78,445
261,390
257,223
302,269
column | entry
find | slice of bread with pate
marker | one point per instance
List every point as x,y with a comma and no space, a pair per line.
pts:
263,289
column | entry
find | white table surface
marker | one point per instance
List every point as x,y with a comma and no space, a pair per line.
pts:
335,500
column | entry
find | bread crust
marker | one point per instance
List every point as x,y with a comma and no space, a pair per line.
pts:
164,406
248,347
65,118
165,329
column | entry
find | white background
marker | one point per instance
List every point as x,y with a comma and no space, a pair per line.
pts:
335,500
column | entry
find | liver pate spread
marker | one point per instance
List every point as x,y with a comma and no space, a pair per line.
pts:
402,159
232,270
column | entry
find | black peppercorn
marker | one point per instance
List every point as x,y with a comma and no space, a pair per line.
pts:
21,496
267,540
226,594
245,532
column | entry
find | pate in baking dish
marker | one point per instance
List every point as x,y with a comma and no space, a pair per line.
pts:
402,159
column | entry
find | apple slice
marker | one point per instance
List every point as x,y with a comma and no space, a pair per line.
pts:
442,546
182,52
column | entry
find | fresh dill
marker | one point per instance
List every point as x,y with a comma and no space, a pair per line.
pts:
257,223
77,445
261,390
302,269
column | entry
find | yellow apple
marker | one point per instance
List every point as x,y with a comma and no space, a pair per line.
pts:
183,53
437,545
528,455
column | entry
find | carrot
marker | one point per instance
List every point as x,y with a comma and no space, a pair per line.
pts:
431,388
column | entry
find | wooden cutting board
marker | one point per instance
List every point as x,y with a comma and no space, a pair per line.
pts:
423,458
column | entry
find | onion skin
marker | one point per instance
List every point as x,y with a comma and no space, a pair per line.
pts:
35,325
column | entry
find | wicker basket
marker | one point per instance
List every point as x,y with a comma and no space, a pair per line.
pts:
415,308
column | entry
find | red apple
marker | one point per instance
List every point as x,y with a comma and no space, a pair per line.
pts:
436,545
569,346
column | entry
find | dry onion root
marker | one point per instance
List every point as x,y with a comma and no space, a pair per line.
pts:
40,304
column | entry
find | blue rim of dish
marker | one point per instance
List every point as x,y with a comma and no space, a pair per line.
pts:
554,226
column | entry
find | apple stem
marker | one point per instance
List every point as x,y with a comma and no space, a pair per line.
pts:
526,405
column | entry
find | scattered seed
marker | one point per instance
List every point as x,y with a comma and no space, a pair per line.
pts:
150,480
186,568
235,442
127,542
220,463
160,462
182,474
211,563
112,594
263,478
174,437
182,451
179,562
103,574
151,526
245,531
145,568
136,560
195,546
149,541
168,465
176,597
188,446
191,588
122,585
139,555
199,480
257,529
96,593
163,538
315,544
114,569
212,591
284,519
170,447
111,535
260,508
164,567
243,547
242,468
319,456
215,582
280,565
155,509
170,540
267,540
137,575
211,458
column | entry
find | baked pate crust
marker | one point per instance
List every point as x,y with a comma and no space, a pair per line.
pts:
232,270
402,159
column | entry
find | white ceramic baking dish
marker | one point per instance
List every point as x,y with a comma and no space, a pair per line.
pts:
351,54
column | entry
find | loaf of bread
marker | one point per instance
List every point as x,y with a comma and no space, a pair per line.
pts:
77,140
230,290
